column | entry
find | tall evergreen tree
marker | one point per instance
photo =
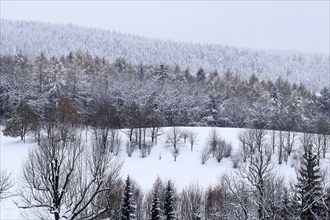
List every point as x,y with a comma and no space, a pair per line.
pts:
309,187
155,208
169,208
23,118
324,100
201,75
128,205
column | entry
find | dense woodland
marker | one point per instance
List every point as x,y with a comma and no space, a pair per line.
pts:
142,96
31,38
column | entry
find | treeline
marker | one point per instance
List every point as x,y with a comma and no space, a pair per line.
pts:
144,95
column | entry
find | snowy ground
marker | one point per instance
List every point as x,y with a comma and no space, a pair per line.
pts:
186,170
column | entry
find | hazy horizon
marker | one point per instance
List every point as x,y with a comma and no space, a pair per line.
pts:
296,25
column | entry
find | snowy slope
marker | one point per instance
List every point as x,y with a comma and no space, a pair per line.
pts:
12,154
31,38
186,170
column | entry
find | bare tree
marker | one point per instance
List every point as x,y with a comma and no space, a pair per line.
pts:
242,137
192,138
305,140
191,202
216,202
323,135
223,149
273,140
290,139
259,171
173,137
112,201
213,141
205,154
236,159
184,134
65,180
239,201
154,133
105,120
5,184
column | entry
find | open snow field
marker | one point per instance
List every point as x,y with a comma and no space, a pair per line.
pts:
160,163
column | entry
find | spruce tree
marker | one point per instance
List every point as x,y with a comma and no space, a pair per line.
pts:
309,187
169,208
155,208
128,205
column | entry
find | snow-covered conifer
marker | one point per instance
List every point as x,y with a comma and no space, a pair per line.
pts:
309,187
169,203
128,205
155,207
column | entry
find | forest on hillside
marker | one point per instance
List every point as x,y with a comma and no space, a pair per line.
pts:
32,38
142,96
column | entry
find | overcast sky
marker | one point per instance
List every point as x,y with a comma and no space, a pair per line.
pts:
293,25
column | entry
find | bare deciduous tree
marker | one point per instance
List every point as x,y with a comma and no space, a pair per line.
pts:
173,137
213,141
65,180
5,184
280,146
205,154
259,170
236,159
184,134
191,202
192,138
223,149
240,200
242,137
154,133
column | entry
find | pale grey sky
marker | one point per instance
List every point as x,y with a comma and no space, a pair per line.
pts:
290,25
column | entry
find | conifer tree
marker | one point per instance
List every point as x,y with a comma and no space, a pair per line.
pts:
309,187
128,205
201,75
23,118
155,208
169,208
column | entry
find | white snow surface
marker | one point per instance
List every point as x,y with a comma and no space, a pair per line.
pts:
160,163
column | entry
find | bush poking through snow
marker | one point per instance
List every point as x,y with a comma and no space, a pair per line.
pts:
223,149
236,159
175,154
205,154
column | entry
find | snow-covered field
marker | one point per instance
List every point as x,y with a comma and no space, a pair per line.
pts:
186,170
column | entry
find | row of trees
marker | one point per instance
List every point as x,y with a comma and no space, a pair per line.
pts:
139,96
105,127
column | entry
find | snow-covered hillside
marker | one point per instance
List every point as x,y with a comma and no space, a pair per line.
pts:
31,38
160,163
